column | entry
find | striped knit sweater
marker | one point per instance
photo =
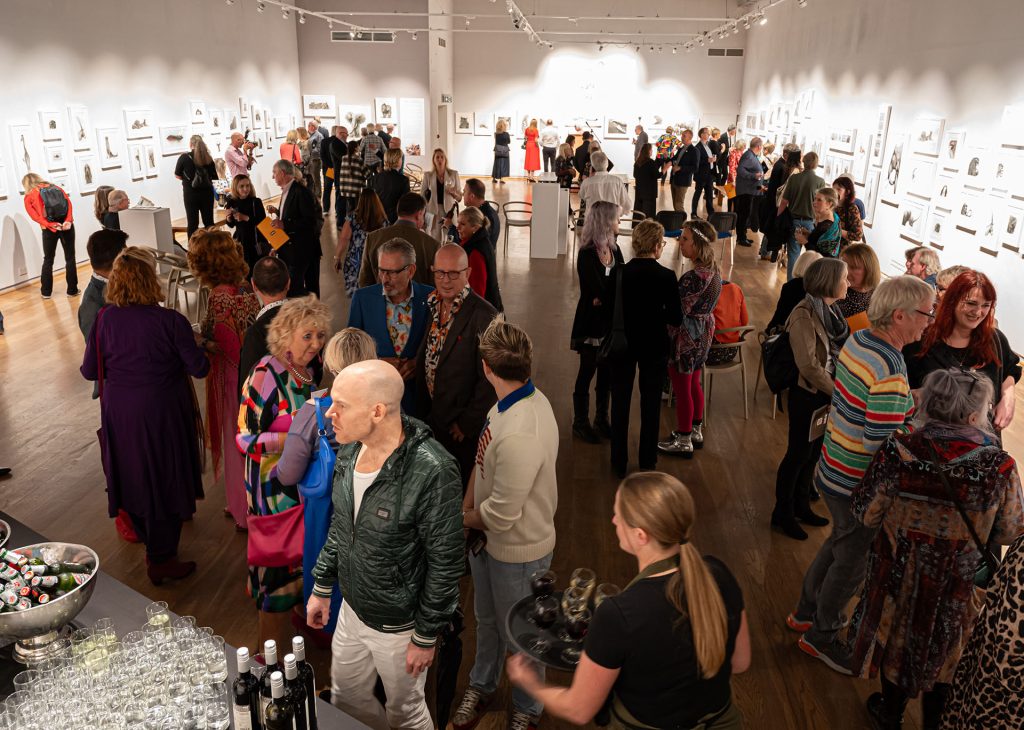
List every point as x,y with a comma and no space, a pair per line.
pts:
871,400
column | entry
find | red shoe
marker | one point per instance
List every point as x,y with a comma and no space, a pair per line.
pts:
123,523
172,569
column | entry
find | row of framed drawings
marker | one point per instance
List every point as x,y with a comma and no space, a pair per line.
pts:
44,149
484,124
937,178
354,116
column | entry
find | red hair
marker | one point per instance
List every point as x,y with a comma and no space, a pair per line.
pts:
981,349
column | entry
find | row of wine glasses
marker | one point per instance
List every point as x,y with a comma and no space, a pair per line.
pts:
170,673
574,606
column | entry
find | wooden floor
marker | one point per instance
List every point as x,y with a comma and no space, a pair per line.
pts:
47,434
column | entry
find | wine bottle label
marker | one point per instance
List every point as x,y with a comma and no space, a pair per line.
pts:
242,717
264,701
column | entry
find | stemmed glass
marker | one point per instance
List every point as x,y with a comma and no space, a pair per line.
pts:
544,615
583,578
605,590
577,625
542,583
574,600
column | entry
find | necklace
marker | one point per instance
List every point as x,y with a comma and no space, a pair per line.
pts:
304,379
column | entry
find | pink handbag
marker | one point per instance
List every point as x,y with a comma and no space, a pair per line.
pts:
275,541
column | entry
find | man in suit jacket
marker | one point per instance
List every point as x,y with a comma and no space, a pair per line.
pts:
299,217
408,227
453,392
581,156
474,196
103,247
704,176
394,313
332,149
725,143
684,165
270,283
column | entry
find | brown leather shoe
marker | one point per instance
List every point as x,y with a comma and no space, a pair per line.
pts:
172,569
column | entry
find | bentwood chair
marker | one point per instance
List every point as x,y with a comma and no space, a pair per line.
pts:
518,214
709,371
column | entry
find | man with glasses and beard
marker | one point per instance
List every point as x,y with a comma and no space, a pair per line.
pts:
395,313
453,392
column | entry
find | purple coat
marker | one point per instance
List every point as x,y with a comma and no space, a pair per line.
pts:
148,410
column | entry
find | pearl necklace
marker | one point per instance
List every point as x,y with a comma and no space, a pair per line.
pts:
304,379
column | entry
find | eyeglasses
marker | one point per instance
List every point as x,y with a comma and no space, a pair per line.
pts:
929,315
392,272
448,275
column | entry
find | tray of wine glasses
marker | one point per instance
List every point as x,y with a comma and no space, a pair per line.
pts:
542,645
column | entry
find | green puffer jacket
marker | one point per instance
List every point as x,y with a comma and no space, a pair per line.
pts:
399,565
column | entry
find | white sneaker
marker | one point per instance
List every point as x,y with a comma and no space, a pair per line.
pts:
521,721
677,444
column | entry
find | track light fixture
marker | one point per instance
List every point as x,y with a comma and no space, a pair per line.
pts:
674,49
801,3
260,7
746,24
736,29
700,40
230,2
302,19
415,36
285,13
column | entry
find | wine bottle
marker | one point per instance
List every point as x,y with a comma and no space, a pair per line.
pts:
279,715
266,689
295,692
245,709
308,680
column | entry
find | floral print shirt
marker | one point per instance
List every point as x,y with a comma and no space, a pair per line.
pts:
399,318
438,332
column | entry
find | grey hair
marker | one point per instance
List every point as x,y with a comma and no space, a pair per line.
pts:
900,292
929,258
286,167
601,226
945,277
953,396
803,261
824,276
399,246
599,161
731,128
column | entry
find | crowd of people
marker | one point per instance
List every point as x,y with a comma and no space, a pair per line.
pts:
440,448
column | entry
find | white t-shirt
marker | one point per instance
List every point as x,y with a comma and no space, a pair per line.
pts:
361,481
549,137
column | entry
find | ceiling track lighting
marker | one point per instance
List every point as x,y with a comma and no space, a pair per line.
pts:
230,2
285,13
302,19
674,49
763,19
260,7
415,36
801,3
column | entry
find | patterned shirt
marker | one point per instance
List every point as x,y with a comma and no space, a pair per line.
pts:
666,145
399,318
871,400
438,331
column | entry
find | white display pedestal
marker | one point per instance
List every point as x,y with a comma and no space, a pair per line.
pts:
149,227
563,220
547,222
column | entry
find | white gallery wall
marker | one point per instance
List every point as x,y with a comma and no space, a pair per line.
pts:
932,62
111,55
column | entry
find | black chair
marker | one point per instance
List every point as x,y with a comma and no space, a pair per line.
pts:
672,220
725,226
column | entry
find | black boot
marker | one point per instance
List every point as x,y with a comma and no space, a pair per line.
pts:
581,419
788,525
883,717
601,422
586,432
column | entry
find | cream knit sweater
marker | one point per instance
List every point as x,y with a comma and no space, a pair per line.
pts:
516,490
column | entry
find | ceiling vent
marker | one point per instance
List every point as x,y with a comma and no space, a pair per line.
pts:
730,52
362,36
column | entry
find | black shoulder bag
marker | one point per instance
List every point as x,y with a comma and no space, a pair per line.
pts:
614,345
989,564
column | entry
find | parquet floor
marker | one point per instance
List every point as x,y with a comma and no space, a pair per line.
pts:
47,434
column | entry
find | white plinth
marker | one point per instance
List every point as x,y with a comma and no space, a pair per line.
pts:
546,222
149,227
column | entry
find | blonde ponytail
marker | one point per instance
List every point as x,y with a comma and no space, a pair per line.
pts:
695,594
662,506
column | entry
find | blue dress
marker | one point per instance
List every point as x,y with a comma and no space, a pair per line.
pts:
354,256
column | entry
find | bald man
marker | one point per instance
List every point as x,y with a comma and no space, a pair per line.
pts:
237,161
395,548
450,383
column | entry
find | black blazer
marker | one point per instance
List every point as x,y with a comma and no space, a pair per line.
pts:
300,216
723,154
581,157
704,172
480,243
245,232
595,283
462,394
390,185
686,160
650,302
646,173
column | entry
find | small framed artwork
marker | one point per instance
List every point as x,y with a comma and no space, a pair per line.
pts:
319,105
891,172
173,139
243,107
110,148
139,124
78,129
975,170
463,123
918,179
216,121
280,127
266,118
862,158
151,159
257,117
51,124
137,160
952,150
944,192
197,112
61,180
926,137
1012,135
507,118
24,151
912,220
385,110
936,228
616,128
1009,224
483,124
972,209
234,125
843,140
87,169
870,195
56,157
268,140
881,135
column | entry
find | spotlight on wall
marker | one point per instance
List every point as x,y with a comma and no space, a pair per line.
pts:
285,13
302,18
230,2
415,36
763,20
674,49
746,24
700,41
600,48
710,37
689,48
801,3
351,35
260,7
467,22
736,29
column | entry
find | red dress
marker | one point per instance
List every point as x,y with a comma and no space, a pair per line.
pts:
532,163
